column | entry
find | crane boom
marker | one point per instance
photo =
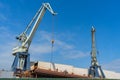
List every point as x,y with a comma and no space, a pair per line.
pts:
41,14
22,57
26,40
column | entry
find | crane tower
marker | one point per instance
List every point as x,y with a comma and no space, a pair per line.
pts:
95,69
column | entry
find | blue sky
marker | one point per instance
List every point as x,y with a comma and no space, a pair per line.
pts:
72,31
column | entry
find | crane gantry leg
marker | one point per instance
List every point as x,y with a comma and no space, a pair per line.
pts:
96,71
21,62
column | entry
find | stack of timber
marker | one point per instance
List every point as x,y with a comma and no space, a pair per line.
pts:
53,70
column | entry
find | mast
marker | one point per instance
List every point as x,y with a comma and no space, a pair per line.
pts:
95,69
93,52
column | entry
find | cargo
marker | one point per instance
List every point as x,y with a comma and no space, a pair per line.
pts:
64,68
60,70
46,69
80,71
111,74
44,65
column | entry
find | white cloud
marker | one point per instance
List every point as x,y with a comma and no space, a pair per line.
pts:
41,45
3,7
43,35
113,66
7,43
63,45
40,49
74,54
44,38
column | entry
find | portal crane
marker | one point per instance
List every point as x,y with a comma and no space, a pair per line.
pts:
22,57
95,69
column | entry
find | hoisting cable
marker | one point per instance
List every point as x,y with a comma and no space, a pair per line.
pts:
52,43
